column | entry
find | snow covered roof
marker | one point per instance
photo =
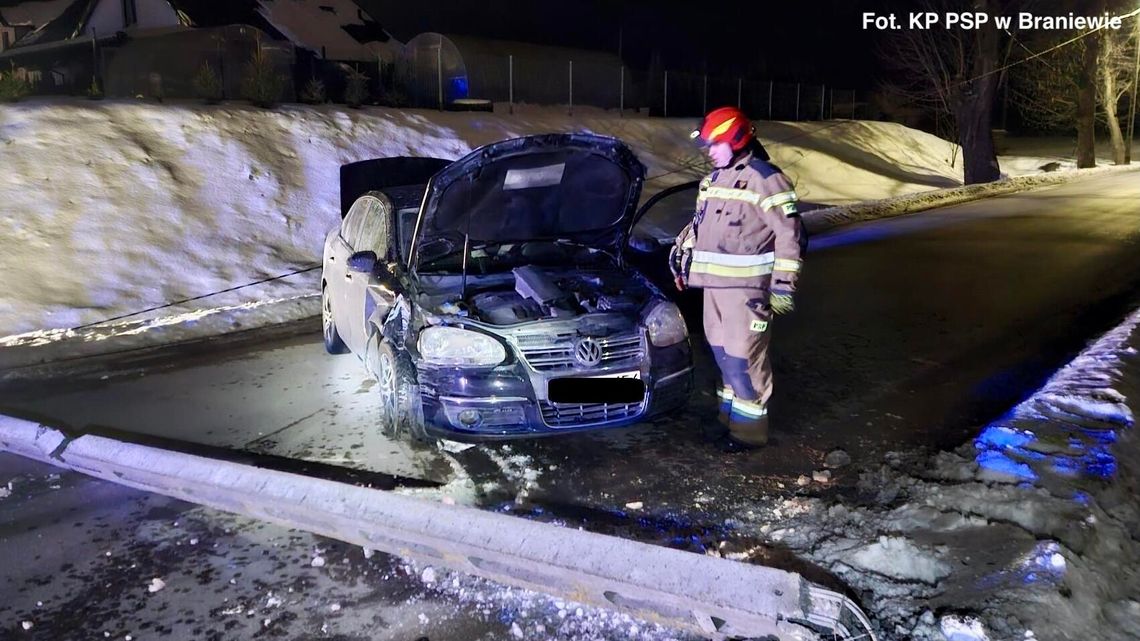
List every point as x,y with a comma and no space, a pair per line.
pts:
33,13
338,29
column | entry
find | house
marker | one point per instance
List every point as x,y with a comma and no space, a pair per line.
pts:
155,47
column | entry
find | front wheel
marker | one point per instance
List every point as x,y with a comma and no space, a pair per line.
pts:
401,407
333,342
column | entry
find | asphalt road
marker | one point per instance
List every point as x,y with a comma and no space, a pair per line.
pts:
910,333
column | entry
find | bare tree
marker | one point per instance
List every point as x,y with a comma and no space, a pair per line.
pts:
1087,83
1117,68
955,72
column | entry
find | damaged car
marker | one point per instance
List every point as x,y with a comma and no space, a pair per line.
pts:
491,296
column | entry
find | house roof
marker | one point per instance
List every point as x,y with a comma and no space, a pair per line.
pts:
66,26
351,32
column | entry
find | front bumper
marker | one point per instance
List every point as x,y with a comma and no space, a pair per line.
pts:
503,403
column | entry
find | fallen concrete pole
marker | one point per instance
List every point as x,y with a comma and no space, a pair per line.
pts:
714,597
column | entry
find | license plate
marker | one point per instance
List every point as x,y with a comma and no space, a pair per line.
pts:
633,374
616,387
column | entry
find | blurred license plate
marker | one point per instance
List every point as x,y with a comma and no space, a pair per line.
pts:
619,387
634,374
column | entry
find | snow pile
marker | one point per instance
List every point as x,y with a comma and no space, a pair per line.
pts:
1026,532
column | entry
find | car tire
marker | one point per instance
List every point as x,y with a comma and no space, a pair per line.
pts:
401,406
333,342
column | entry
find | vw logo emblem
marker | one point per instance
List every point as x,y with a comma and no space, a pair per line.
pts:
588,352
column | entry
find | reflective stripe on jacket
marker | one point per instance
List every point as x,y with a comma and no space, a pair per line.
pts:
747,229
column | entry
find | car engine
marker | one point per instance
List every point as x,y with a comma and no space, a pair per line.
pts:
558,293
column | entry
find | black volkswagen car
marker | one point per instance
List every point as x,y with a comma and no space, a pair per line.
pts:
492,297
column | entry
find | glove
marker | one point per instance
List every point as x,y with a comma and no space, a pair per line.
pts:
781,301
678,265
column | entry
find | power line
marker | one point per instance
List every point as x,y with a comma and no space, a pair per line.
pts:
1066,43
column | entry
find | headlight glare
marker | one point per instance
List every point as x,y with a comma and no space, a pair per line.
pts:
666,325
456,346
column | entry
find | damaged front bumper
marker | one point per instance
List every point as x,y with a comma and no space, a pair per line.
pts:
511,401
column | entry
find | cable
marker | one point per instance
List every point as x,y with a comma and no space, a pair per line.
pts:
1066,43
188,300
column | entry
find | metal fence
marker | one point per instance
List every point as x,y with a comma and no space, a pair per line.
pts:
437,82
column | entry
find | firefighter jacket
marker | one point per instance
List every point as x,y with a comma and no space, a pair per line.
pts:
746,231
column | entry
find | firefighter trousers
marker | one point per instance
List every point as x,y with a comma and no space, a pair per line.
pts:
737,328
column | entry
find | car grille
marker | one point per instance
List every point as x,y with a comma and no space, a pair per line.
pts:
546,352
575,415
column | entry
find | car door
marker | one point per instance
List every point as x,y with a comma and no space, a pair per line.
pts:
336,270
356,283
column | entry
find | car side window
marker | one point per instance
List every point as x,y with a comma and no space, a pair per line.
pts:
350,226
374,232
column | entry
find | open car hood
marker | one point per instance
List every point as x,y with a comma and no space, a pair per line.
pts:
581,188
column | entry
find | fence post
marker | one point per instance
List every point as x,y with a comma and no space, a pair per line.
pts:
621,94
832,112
571,87
666,109
705,96
510,83
739,92
797,102
822,100
439,71
771,86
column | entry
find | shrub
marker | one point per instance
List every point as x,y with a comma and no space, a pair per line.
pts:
263,83
94,91
208,84
356,88
12,86
314,92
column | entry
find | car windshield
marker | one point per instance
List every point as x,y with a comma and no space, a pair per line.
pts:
489,258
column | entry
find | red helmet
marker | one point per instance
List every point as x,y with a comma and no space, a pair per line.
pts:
727,124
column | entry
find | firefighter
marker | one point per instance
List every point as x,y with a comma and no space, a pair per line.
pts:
743,247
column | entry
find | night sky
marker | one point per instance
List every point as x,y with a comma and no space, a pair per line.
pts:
809,41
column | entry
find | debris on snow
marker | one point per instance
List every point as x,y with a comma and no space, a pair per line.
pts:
837,458
634,505
428,575
27,625
899,558
821,476
318,561
273,602
957,628
335,607
424,620
368,552
803,481
156,584
516,631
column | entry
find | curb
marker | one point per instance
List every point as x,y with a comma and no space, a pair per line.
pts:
820,220
706,595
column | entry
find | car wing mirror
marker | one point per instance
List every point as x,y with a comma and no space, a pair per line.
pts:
363,262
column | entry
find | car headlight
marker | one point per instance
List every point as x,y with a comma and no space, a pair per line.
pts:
666,325
455,346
